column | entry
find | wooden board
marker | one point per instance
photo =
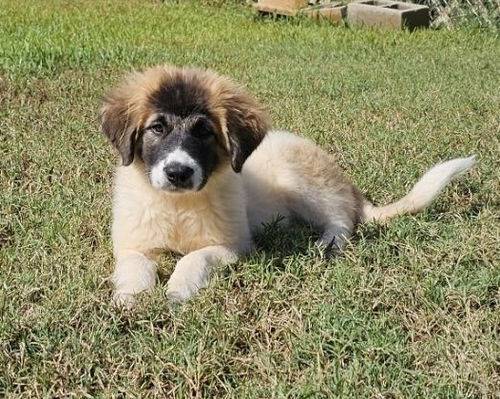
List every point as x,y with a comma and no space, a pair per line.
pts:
282,7
334,12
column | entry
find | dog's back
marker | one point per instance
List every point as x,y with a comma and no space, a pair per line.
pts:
288,175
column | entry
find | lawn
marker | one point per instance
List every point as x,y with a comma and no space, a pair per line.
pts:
411,309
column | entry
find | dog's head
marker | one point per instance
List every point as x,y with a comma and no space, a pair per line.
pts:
182,124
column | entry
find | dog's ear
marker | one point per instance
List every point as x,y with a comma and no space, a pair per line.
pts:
247,123
119,125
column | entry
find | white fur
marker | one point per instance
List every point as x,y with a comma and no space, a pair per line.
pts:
285,176
192,272
424,192
158,177
134,273
209,226
279,184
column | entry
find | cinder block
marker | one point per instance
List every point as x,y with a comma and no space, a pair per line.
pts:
334,12
389,14
282,7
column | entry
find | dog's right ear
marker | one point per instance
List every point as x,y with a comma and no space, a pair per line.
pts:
119,126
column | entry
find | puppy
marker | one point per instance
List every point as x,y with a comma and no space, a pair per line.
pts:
201,173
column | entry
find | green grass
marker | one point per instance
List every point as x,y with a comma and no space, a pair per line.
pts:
410,310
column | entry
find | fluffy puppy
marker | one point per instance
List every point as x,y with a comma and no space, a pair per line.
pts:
200,173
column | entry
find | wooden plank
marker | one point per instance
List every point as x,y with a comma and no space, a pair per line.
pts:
334,12
282,7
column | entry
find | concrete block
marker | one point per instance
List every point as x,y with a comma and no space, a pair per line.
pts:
388,14
334,12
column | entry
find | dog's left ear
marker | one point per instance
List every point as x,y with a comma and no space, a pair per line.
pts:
247,123
119,125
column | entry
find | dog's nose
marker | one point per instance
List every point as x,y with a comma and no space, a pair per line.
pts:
178,173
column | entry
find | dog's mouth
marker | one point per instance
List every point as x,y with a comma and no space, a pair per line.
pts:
170,188
171,184
173,187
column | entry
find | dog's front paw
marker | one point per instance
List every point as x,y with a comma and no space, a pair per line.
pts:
190,275
134,273
123,300
180,291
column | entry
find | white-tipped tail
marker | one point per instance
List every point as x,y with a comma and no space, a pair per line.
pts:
423,193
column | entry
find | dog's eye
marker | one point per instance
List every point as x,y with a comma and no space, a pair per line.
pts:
157,128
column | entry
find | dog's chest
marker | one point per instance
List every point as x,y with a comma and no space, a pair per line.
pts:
190,224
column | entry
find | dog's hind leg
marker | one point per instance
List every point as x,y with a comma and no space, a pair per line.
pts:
305,180
328,210
334,237
336,229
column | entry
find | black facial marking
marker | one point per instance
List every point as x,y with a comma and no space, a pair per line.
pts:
184,122
182,98
193,135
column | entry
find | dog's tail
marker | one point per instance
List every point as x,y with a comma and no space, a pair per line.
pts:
423,193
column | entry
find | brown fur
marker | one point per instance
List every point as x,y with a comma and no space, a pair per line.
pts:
240,120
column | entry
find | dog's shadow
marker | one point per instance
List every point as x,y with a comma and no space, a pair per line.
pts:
279,240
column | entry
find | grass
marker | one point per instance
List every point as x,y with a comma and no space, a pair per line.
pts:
410,310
